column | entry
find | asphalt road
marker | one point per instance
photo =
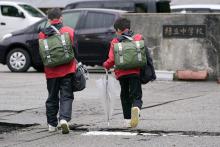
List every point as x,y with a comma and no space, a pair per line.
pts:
174,114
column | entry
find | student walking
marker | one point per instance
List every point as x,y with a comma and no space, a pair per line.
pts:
131,91
59,78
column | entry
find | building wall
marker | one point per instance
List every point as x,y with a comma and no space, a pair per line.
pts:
180,53
180,2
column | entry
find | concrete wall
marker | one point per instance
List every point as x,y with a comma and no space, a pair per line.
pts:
180,54
180,2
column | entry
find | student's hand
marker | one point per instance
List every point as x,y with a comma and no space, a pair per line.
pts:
105,66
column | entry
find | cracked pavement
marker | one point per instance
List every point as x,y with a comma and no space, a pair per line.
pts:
174,114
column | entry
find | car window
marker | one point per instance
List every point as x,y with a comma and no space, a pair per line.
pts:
119,5
89,5
71,19
9,11
31,10
215,11
98,20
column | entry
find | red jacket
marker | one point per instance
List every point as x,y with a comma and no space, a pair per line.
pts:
110,61
62,70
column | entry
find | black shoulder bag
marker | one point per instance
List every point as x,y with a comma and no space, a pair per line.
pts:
147,72
80,77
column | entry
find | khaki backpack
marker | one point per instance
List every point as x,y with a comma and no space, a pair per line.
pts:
56,49
129,54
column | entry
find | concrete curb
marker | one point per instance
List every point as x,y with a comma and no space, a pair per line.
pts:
163,75
191,75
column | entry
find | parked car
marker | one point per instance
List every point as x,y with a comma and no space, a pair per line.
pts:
196,8
15,16
138,6
93,33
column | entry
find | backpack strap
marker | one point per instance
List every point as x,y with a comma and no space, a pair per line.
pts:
64,45
121,59
55,29
47,50
62,40
138,50
129,38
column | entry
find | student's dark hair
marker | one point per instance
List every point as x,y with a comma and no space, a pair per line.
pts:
122,24
54,13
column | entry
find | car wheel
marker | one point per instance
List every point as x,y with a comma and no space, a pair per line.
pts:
18,60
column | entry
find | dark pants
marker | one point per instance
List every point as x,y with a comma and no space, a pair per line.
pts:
131,94
60,98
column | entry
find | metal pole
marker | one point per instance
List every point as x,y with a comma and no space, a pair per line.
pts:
107,97
217,68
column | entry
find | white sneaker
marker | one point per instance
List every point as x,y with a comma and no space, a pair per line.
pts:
127,123
64,126
52,128
135,112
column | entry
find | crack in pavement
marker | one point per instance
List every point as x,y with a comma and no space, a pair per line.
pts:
26,141
72,127
164,103
11,111
14,112
16,124
82,128
17,111
159,132
8,127
140,132
160,104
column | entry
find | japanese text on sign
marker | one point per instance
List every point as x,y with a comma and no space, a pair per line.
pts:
184,31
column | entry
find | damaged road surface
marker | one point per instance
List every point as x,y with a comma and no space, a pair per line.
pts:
8,127
83,135
174,114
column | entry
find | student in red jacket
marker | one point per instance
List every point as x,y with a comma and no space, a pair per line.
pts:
59,79
131,92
